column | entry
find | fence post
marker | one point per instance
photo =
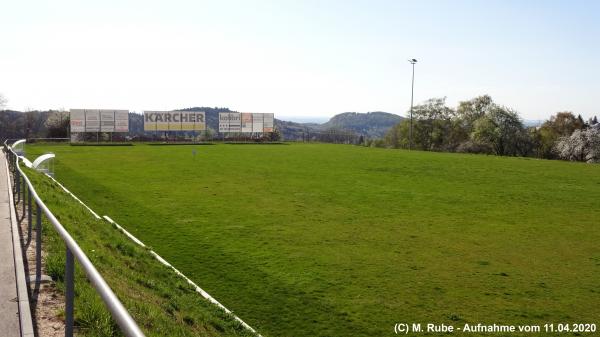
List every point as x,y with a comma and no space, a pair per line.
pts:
38,245
11,167
69,293
24,190
29,220
18,183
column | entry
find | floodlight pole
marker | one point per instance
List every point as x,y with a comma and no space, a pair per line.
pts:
412,91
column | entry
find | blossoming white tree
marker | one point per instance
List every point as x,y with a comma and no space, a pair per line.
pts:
582,145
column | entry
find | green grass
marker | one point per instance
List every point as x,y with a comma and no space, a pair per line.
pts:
334,240
162,303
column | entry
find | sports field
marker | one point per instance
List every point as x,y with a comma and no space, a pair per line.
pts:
338,240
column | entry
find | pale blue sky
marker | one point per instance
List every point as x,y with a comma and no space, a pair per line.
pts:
300,58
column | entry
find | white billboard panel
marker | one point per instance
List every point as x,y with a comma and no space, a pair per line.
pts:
92,121
77,117
107,120
223,122
121,121
235,122
257,122
246,122
229,122
268,122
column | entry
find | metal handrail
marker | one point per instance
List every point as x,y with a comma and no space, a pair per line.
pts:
116,308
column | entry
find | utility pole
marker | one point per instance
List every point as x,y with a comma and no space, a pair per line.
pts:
412,91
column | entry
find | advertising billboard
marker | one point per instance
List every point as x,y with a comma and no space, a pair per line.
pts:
257,122
121,121
223,121
92,121
107,120
174,121
230,122
188,121
268,122
77,117
246,122
235,122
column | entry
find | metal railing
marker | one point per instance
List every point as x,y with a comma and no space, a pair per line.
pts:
25,194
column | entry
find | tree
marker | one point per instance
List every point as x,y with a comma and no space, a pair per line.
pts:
471,110
3,101
432,124
467,113
564,123
582,145
478,126
560,125
580,120
58,124
398,135
501,129
475,108
593,152
275,135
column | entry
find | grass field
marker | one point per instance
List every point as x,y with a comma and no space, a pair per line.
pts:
336,240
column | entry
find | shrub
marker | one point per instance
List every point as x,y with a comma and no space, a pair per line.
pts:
470,146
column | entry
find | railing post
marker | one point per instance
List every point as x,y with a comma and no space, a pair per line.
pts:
38,245
24,190
69,293
13,185
29,220
18,183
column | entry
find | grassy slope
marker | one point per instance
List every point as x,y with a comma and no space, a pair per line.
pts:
161,303
340,240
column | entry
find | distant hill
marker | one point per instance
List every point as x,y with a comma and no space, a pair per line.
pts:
370,124
294,130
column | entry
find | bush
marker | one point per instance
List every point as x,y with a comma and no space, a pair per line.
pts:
470,146
378,143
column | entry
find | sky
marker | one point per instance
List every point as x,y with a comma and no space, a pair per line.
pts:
300,59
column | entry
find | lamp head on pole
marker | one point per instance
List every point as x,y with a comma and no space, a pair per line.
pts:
412,61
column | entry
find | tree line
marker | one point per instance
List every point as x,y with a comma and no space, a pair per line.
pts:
480,125
33,124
